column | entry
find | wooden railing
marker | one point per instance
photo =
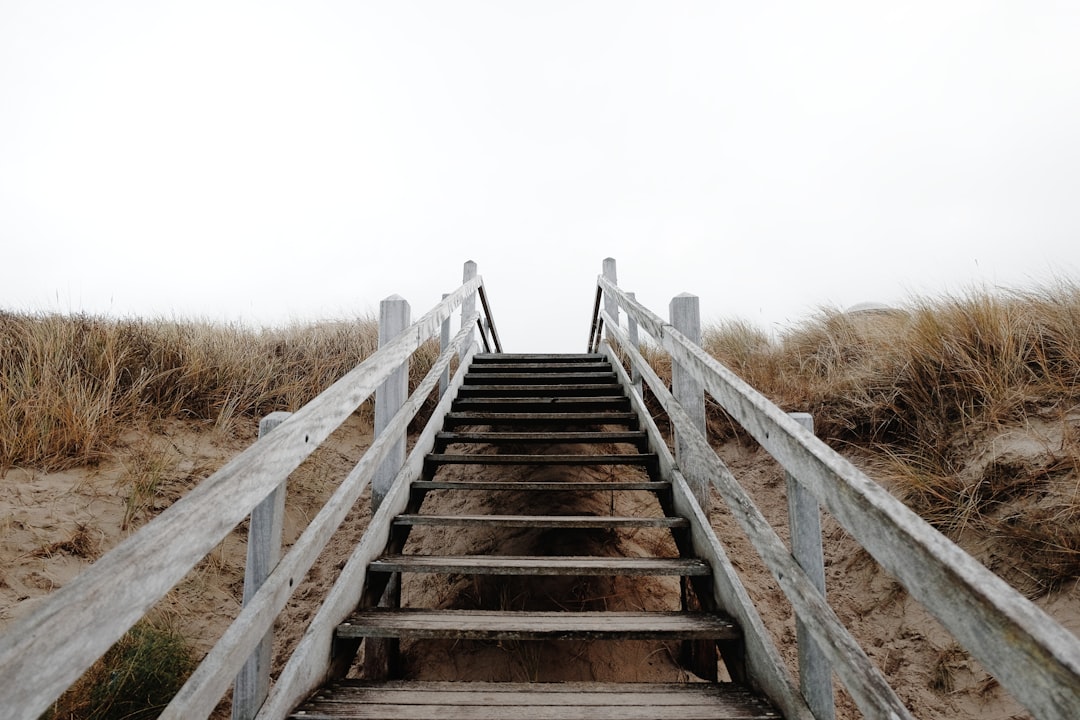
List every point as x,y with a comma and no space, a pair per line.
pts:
1031,655
42,654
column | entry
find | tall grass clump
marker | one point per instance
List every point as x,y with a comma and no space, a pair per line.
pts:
134,680
923,386
70,384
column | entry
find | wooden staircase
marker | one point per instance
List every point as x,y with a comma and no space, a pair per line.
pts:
566,422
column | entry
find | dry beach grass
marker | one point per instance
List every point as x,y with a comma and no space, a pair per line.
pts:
967,408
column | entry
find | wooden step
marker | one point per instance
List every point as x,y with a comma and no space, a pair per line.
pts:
543,521
542,404
532,625
412,700
457,419
636,437
573,459
517,486
539,367
534,379
534,391
539,565
482,358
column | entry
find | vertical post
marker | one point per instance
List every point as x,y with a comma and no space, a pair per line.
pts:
685,315
804,518
632,332
390,396
263,554
611,305
468,305
444,341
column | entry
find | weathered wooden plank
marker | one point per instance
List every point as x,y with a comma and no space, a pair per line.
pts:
1033,656
868,687
556,486
637,437
566,378
79,622
764,665
203,690
541,404
508,459
541,521
569,358
456,419
523,625
308,665
534,391
534,368
584,701
535,565
394,314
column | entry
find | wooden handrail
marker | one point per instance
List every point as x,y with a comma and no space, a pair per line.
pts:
44,652
1034,657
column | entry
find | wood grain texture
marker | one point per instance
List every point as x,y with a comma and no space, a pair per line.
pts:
1033,656
538,565
307,667
764,665
526,625
868,687
203,690
541,521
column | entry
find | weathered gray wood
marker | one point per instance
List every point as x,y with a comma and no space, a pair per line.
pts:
263,553
685,314
1033,656
535,701
804,519
764,665
868,687
555,486
541,404
579,459
489,321
394,315
555,438
444,342
308,666
537,625
456,419
578,390
478,378
611,305
529,565
635,341
468,305
545,521
536,367
78,623
199,695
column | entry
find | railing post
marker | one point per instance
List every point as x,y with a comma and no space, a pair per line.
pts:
611,305
394,314
444,341
804,518
632,332
685,317
263,553
468,305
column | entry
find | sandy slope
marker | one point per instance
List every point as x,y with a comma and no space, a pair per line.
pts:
53,524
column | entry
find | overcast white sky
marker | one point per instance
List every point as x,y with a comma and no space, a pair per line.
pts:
277,161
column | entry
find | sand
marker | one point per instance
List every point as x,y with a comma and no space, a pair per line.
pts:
53,525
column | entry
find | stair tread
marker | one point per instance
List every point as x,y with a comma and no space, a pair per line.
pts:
547,521
542,437
560,486
537,625
540,565
413,700
568,417
516,459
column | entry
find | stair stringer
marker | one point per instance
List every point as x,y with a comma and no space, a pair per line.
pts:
765,668
309,665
